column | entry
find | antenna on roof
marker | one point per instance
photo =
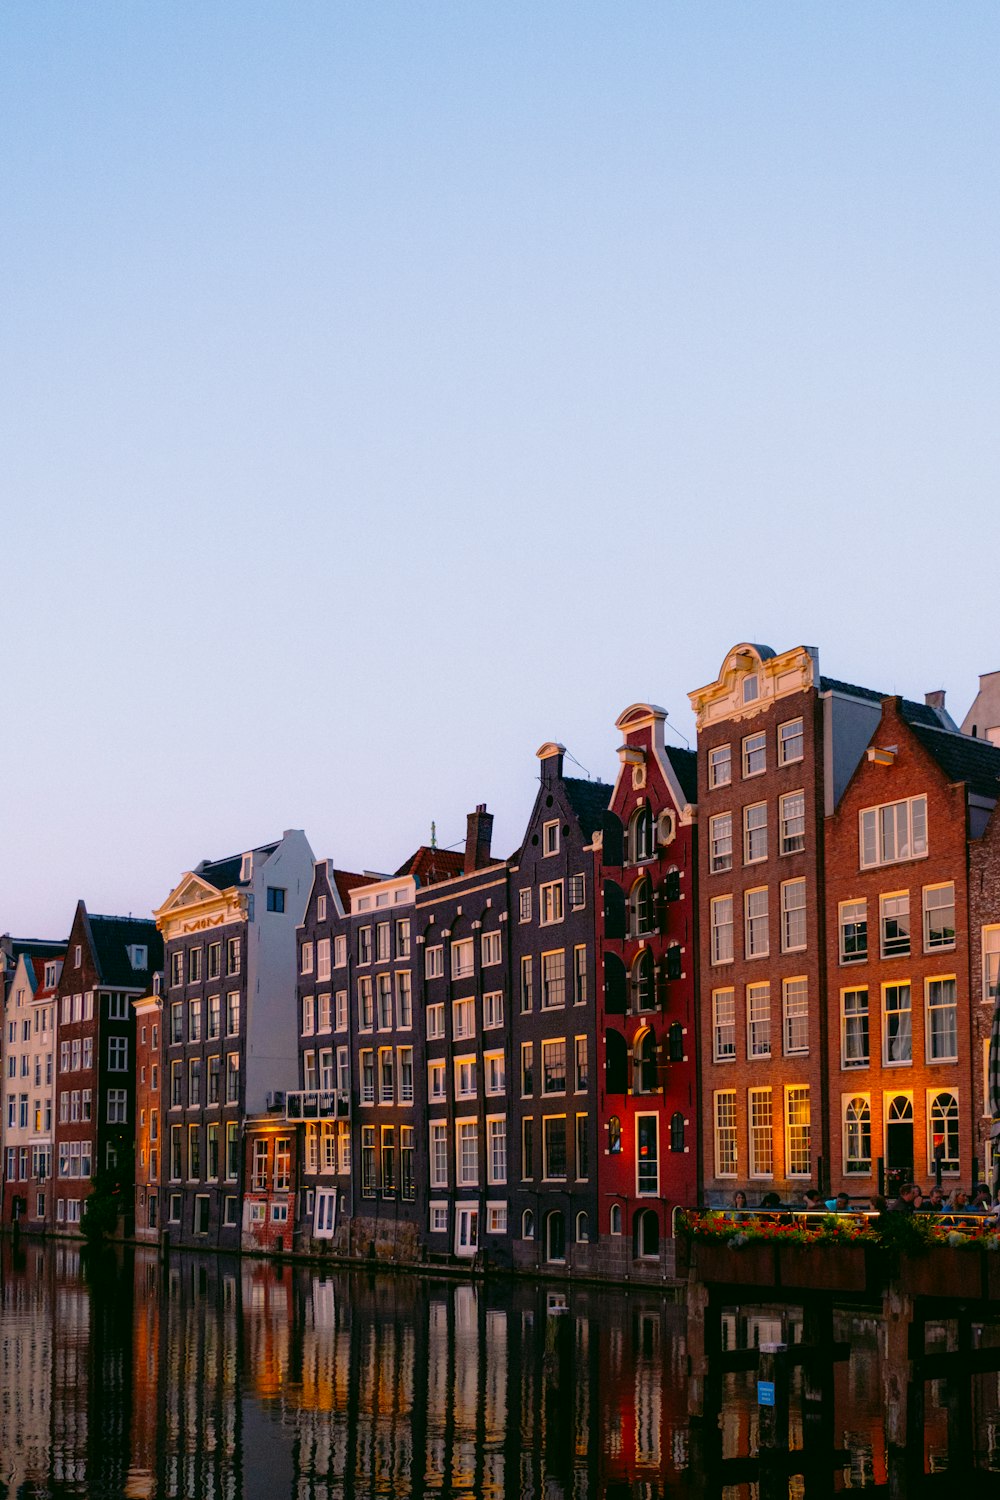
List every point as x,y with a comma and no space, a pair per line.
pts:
666,720
434,835
577,763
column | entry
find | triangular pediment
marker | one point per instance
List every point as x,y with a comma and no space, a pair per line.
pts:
191,891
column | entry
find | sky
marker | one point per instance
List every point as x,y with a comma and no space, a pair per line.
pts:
388,389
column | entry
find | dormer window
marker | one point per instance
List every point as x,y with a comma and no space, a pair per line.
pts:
51,976
138,955
751,689
246,868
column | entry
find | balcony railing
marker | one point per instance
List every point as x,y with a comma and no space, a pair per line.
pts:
317,1104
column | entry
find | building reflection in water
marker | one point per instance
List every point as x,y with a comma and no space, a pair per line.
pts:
224,1380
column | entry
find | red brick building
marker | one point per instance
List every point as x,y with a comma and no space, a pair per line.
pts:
647,1154
905,1039
270,1170
984,977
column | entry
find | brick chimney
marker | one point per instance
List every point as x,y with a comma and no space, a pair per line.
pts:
935,700
478,837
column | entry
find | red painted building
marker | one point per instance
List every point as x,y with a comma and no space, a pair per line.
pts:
905,1039
270,1170
647,1151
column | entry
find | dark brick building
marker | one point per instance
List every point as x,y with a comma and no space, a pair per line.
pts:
554,1056
647,1152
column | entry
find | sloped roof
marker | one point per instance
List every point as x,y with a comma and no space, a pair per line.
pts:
685,764
589,800
429,865
112,936
346,883
913,713
223,873
962,758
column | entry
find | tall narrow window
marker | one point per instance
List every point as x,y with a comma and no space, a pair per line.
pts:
761,1133
853,932
854,1029
943,1133
942,1020
939,916
798,1143
723,1025
722,930
793,822
754,833
793,916
725,1133
895,922
758,1020
755,923
720,839
795,1005
897,1023
858,1136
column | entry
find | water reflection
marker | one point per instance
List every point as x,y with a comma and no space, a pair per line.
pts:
209,1377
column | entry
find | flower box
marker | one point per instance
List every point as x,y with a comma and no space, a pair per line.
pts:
750,1265
942,1271
830,1268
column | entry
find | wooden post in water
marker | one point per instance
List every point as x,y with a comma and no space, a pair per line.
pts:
903,1394
772,1398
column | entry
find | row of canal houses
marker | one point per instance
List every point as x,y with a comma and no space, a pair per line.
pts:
768,964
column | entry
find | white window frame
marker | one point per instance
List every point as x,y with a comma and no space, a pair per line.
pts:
929,1011
790,918
551,907
724,1025
790,1016
758,1004
750,948
785,739
718,954
788,842
753,745
931,890
550,838
720,843
753,828
792,1089
872,833
760,1134
725,1133
720,766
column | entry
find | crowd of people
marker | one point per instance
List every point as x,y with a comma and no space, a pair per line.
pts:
909,1199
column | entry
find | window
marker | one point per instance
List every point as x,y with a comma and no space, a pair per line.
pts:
384,983
367,1059
275,898
758,1020
306,964
527,1148
233,952
939,916
554,1148
407,1178
467,1153
117,1054
792,810
793,916
404,1000
496,1160
434,962
194,1021
323,1019
364,945
550,838
214,1078
550,903
853,932
991,965
720,842
233,1013
386,1075
790,742
640,835
580,974
496,1218
527,1069
895,831
722,929
463,1018
582,1149
368,1161
194,1082
725,1133
553,979
388,1161
524,904
382,942
754,754
761,1133
232,1077
465,1077
641,981
640,908
720,766
897,1027
751,688
340,951
577,892
232,1152
323,959
895,924
754,833
462,958
176,972
526,984
176,1021
854,1028
439,1218
321,908
491,949
942,1020
117,1011
755,923
942,1132
857,1135
581,1070
493,1010
366,1004
554,1067
435,1022
402,937
798,1144
723,1025
340,1015
117,1106
439,1154
496,1081
795,1008
527,1225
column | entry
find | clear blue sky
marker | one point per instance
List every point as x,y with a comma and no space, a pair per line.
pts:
388,388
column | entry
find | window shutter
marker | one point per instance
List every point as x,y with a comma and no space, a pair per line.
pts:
676,1042
615,986
613,844
615,1063
614,910
674,961
672,886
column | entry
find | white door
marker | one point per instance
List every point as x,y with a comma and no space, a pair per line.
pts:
467,1231
325,1219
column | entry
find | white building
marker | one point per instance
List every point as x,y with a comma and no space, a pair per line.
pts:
29,1088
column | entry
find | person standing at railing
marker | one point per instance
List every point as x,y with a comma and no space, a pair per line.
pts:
904,1204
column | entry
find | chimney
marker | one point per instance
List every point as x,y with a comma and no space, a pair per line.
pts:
935,700
478,837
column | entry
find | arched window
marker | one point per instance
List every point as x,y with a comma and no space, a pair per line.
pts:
582,1229
676,1042
616,1219
642,982
614,1135
858,1135
677,1131
644,1078
640,835
640,907
528,1225
645,1234
615,1063
943,1132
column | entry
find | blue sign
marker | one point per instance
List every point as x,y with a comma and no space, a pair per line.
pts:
765,1393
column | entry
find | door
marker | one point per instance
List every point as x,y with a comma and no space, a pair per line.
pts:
325,1218
467,1231
899,1136
555,1237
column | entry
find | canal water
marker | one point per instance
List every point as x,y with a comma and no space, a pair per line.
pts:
204,1377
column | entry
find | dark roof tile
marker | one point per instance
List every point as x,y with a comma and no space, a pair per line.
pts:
685,764
962,758
589,800
223,873
430,865
112,937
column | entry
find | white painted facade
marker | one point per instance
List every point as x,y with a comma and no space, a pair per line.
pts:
272,1020
29,1078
